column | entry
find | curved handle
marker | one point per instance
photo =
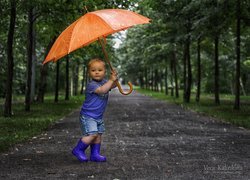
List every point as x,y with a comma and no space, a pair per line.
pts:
120,88
102,42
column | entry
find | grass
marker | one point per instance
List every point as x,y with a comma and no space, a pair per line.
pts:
24,125
206,106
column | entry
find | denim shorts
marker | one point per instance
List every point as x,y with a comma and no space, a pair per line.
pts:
91,126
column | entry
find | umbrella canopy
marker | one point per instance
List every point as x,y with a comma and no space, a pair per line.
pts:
91,27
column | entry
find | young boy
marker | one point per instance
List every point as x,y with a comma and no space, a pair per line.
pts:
91,121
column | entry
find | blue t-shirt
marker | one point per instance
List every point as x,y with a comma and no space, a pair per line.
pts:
94,104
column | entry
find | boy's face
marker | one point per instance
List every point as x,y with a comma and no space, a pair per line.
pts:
97,71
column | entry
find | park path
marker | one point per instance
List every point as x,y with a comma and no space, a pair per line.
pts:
145,139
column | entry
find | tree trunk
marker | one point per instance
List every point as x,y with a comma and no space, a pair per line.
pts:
151,79
216,70
242,87
43,76
76,75
57,82
172,75
29,63
175,75
146,77
67,79
161,81
8,97
189,71
141,81
34,64
198,71
189,85
166,80
237,74
156,80
83,79
42,84
184,73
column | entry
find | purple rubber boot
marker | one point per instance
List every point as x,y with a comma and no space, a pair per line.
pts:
78,151
95,153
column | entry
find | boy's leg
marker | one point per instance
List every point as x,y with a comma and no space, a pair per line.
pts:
95,150
89,127
79,151
98,139
90,139
82,145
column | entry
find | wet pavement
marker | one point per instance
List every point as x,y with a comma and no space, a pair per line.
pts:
145,139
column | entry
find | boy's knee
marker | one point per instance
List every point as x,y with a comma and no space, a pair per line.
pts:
94,135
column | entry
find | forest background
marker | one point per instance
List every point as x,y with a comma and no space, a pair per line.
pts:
191,49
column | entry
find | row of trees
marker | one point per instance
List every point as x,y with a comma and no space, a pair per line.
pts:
27,31
200,45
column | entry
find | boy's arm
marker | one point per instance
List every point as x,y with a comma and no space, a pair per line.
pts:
104,88
108,85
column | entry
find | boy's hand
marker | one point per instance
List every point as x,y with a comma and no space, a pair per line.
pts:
108,85
114,75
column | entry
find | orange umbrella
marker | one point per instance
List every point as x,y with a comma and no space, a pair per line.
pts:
96,25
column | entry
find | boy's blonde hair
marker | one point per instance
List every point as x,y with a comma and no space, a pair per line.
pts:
95,60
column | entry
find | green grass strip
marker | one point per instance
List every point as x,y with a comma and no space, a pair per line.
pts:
24,125
206,106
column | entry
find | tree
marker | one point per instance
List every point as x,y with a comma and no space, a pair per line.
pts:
75,74
216,70
237,74
174,62
67,79
198,70
57,81
30,52
4,26
8,98
43,76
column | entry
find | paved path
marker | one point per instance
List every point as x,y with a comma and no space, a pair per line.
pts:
144,139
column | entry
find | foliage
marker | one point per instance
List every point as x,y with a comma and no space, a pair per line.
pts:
173,22
51,18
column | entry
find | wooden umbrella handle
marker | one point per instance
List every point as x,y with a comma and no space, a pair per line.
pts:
111,68
121,90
